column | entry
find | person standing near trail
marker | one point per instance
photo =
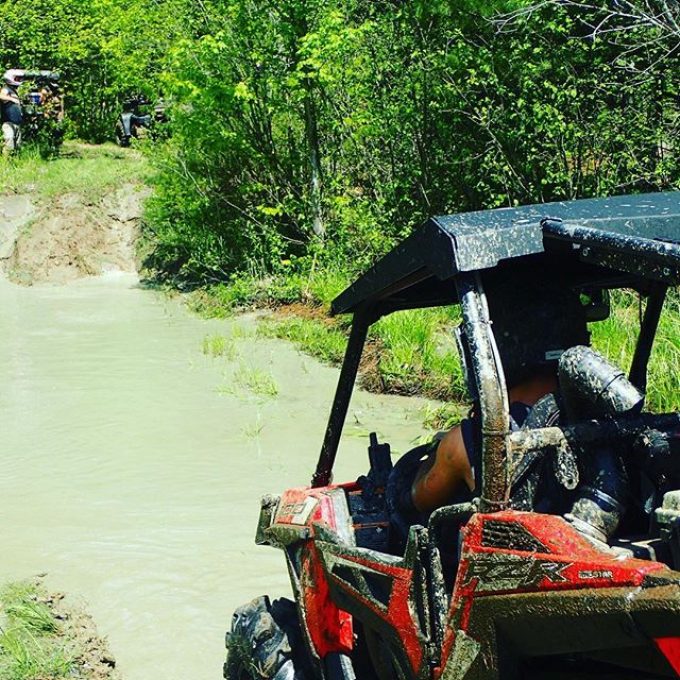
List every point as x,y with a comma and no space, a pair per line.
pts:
10,109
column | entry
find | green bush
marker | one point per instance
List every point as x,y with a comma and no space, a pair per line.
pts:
324,131
616,338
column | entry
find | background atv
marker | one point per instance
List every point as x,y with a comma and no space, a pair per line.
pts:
43,107
492,588
132,122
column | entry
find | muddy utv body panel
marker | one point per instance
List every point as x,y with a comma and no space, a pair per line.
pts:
528,586
508,594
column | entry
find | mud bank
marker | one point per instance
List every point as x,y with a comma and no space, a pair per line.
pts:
92,658
70,237
46,634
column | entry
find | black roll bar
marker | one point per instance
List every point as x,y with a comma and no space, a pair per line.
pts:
489,379
493,397
348,375
643,349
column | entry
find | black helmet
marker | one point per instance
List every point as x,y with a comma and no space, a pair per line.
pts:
533,321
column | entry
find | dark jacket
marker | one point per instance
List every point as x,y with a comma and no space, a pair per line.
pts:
10,112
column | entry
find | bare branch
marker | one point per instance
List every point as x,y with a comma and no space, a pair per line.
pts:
634,26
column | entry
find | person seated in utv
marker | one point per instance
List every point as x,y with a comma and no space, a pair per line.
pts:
533,328
533,325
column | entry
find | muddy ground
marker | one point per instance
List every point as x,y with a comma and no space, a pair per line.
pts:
70,237
40,631
93,660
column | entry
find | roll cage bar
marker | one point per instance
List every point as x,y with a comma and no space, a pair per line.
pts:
42,76
627,241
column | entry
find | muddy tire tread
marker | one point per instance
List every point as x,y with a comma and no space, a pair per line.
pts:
264,642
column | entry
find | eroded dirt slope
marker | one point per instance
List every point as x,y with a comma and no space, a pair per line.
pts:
15,213
70,237
93,660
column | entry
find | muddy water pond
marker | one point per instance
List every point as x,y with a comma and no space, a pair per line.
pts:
132,463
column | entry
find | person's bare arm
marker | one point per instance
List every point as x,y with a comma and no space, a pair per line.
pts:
442,474
7,96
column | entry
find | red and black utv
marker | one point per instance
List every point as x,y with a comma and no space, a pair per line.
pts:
562,564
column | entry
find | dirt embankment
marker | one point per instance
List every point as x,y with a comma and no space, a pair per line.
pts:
45,635
71,236
92,658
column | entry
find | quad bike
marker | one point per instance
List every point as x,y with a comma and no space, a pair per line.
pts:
133,123
43,109
564,565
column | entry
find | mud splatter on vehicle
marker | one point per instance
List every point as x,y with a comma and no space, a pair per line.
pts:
563,562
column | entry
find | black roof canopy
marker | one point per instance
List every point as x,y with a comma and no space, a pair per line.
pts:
614,241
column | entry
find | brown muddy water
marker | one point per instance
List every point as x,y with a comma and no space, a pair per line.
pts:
131,464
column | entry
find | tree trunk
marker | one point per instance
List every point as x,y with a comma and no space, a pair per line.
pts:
314,156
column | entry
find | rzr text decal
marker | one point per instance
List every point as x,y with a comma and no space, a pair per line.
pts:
507,573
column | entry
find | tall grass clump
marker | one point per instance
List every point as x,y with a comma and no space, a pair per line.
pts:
256,381
30,643
417,353
246,291
220,346
323,341
616,338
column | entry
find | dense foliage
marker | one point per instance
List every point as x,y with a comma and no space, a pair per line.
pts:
319,131
106,50
313,133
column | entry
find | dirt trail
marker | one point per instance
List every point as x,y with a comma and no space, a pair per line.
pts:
70,237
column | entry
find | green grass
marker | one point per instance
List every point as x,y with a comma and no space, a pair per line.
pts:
616,337
31,644
443,416
414,352
220,346
242,333
243,292
256,381
323,341
82,169
418,353
408,352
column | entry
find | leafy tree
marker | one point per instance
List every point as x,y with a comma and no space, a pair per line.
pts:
105,50
328,128
312,133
